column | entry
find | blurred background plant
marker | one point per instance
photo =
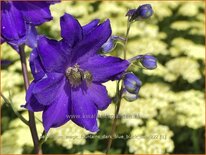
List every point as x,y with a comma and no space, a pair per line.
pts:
171,107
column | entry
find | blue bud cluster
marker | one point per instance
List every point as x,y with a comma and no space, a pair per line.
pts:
141,13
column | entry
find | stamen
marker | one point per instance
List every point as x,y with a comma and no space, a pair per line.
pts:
88,77
76,75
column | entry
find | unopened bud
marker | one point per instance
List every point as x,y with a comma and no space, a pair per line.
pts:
142,12
148,61
132,83
129,96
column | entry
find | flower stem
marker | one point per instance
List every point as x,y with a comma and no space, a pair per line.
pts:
126,38
118,94
135,58
118,103
10,104
32,124
43,138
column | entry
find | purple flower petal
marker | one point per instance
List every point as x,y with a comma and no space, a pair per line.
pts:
57,114
49,88
30,91
12,23
104,68
71,30
91,43
34,105
32,36
15,43
51,55
98,94
83,111
90,26
37,69
31,103
35,13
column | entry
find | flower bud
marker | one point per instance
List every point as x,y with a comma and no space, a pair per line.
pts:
111,43
132,83
129,96
148,61
142,12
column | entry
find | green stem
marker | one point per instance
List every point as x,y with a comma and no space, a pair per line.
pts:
195,141
118,103
126,38
43,138
15,111
118,94
32,124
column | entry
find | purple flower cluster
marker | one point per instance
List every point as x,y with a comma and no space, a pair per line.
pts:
18,21
131,82
68,74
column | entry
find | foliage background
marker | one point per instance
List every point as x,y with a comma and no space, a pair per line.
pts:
171,102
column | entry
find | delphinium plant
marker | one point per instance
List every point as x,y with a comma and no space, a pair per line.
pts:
68,73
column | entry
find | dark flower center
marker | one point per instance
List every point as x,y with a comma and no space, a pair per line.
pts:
76,76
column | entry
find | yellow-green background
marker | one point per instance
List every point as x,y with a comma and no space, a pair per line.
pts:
171,100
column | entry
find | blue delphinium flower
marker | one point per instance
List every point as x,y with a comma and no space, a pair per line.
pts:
68,74
142,12
19,18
